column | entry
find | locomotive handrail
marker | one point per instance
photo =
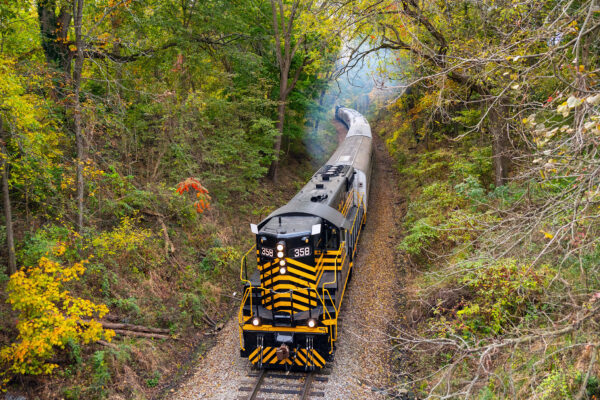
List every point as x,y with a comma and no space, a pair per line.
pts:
334,281
360,202
339,252
347,203
241,314
244,266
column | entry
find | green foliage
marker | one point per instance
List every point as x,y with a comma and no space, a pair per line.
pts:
420,236
101,375
192,307
554,386
471,189
501,293
41,243
477,163
469,117
592,388
127,306
154,380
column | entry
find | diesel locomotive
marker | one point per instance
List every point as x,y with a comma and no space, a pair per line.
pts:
305,252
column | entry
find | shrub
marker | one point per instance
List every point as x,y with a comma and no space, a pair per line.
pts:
122,246
101,374
420,236
49,316
124,238
502,292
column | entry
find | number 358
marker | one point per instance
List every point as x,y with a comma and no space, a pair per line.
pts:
302,252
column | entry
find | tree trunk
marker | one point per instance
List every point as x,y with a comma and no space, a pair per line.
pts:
54,30
10,240
500,146
78,17
280,120
318,117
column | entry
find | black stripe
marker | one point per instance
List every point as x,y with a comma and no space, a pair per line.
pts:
300,268
290,272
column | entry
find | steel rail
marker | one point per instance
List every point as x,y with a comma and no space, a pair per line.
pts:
307,384
257,385
303,393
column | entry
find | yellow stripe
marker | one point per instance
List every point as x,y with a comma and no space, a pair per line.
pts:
300,294
295,271
272,271
304,352
270,355
299,264
296,301
313,359
264,266
255,352
279,304
297,304
301,356
287,286
299,281
265,351
316,353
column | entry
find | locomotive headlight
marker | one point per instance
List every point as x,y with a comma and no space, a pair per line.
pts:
282,270
280,254
256,321
312,323
279,246
282,263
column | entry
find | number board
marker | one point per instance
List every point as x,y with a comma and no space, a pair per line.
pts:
300,252
267,252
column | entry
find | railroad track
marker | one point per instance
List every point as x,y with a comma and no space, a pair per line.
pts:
275,385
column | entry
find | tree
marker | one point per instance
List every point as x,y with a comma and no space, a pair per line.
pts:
79,44
55,21
28,141
303,34
431,32
10,241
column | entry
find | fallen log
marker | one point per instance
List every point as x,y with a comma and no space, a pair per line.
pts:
131,327
123,332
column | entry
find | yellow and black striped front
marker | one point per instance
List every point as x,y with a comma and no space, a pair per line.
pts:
292,291
301,357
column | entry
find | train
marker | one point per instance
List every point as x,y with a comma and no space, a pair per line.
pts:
305,253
